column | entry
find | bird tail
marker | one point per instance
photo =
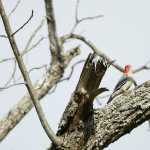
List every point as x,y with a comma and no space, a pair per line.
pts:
110,99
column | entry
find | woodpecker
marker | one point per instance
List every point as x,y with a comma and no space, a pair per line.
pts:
124,83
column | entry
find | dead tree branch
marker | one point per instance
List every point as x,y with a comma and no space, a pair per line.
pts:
23,24
48,130
14,8
77,22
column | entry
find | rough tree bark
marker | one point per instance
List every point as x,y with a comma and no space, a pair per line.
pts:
84,128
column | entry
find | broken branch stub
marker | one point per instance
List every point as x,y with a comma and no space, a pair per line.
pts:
91,77
87,87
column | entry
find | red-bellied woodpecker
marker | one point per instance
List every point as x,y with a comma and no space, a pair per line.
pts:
124,83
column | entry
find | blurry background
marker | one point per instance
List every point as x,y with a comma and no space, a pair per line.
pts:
122,34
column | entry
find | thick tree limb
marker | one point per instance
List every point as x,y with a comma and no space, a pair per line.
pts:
119,117
55,139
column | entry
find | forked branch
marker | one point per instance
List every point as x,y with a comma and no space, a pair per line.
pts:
66,37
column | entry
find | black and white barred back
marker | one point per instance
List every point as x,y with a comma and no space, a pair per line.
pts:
121,82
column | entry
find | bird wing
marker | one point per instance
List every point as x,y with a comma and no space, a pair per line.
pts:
121,82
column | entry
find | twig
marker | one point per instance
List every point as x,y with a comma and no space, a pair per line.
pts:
72,68
34,33
23,24
104,96
19,78
77,11
26,59
14,8
53,89
98,101
77,22
3,36
88,18
37,68
143,67
6,59
32,47
12,85
41,85
135,83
